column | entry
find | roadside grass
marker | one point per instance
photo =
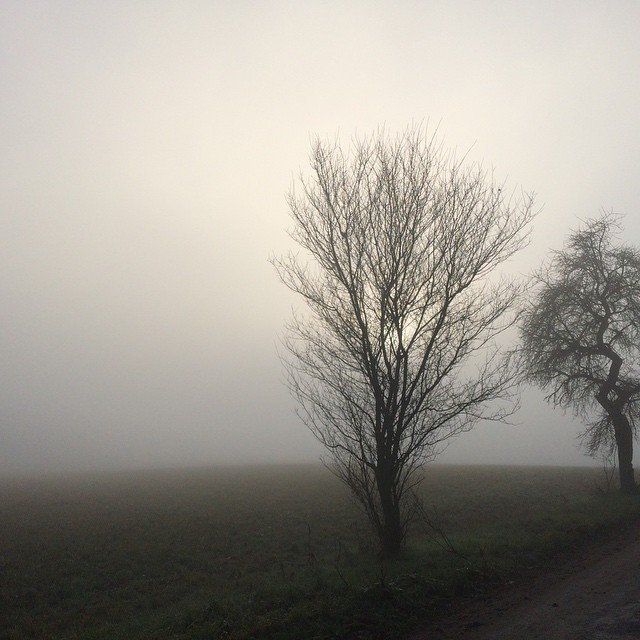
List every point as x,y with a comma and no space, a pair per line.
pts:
272,552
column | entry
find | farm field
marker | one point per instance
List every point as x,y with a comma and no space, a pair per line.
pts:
271,551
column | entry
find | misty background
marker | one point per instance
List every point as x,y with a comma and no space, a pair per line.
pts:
147,151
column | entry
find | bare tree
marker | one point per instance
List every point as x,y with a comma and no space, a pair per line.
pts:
401,240
580,337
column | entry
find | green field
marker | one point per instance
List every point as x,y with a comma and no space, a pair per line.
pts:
270,552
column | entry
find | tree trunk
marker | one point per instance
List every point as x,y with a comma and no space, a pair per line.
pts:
392,533
621,428
624,443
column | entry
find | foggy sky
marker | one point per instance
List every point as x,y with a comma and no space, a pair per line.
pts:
147,150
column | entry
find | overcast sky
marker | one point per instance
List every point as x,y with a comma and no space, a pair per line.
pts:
147,148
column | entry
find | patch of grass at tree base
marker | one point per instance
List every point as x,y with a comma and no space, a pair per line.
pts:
416,584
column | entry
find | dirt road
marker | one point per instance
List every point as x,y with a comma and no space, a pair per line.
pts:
595,596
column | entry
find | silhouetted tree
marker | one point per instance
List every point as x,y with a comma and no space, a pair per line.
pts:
580,337
401,240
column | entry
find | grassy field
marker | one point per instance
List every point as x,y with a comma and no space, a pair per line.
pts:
270,552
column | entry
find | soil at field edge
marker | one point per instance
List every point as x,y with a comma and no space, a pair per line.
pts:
592,596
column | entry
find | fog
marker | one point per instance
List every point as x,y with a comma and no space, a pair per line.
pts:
147,151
